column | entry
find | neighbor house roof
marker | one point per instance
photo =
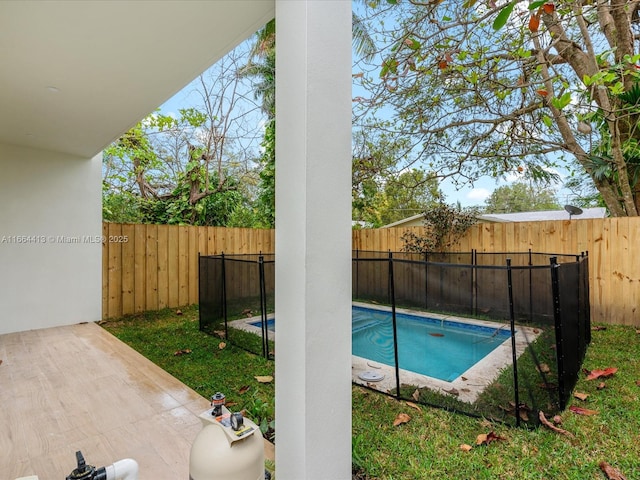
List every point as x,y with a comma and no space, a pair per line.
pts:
417,220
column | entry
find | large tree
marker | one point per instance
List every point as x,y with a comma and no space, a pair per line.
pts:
381,192
521,197
489,88
261,69
197,167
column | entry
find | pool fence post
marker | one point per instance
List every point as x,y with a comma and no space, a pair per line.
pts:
426,280
514,356
200,296
474,283
355,293
584,275
392,293
557,317
263,309
530,286
224,296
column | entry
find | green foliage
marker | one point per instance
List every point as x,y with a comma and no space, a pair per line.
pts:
521,197
164,170
496,90
383,190
267,196
444,226
121,208
503,15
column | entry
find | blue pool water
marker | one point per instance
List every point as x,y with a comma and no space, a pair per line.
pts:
442,349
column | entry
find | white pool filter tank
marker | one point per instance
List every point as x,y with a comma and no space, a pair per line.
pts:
229,446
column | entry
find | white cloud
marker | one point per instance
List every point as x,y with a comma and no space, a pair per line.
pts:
478,194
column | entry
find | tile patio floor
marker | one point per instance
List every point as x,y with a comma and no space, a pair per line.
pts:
78,387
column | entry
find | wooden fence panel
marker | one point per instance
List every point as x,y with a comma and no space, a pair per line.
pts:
115,271
157,266
140,268
105,272
151,271
128,267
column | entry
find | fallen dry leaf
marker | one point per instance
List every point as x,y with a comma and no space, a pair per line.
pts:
548,386
178,312
597,328
264,378
581,396
413,405
437,334
400,419
453,392
243,389
607,372
544,368
523,410
637,381
465,448
416,395
182,352
247,312
487,438
601,385
485,423
557,419
551,426
219,333
611,472
221,345
582,411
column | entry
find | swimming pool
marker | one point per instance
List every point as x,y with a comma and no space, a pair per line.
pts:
441,352
438,348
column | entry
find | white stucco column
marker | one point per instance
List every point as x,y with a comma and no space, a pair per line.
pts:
313,239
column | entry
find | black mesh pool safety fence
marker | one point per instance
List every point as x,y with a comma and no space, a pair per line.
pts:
498,335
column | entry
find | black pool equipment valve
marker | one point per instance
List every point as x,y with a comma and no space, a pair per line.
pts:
217,402
126,469
86,472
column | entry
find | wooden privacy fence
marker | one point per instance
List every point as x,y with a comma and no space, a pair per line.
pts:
149,267
614,268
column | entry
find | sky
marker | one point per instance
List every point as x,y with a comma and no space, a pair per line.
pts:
467,196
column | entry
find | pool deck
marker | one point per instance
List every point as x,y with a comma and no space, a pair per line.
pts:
78,387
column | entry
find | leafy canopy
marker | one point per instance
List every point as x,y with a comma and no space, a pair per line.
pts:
486,89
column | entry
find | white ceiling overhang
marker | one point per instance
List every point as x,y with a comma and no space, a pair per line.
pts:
75,74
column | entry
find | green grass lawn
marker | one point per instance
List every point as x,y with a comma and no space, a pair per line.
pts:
428,445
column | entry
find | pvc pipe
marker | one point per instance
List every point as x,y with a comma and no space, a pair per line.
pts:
126,469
